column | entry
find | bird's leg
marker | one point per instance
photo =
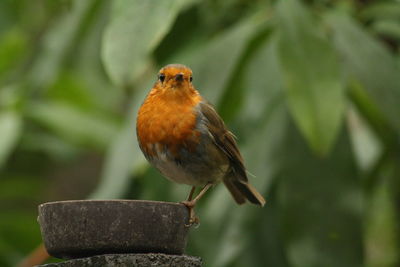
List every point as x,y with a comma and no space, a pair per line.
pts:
191,193
188,203
192,217
191,203
202,192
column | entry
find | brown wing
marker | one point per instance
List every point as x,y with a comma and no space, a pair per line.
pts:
236,180
224,139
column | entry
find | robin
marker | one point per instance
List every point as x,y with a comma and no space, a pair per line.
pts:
183,136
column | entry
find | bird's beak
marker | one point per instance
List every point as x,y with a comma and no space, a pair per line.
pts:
179,77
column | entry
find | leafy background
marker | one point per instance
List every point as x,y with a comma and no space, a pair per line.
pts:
311,88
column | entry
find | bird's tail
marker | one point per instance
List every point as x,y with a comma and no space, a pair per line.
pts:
242,190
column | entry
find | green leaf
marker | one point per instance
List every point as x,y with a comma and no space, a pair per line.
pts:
320,204
89,68
263,83
232,100
76,125
381,228
123,156
56,45
10,129
367,61
389,28
12,49
314,90
365,143
381,10
215,61
136,27
51,145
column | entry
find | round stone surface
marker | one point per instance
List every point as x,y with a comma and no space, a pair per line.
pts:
82,228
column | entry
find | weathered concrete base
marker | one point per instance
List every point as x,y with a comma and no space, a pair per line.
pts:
83,228
132,260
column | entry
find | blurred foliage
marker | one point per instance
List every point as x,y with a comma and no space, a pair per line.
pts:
311,89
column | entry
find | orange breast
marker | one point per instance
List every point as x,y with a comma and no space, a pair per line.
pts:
168,119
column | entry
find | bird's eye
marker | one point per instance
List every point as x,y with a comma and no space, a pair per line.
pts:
191,78
161,77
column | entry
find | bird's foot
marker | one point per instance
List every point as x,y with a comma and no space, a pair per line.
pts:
193,219
188,203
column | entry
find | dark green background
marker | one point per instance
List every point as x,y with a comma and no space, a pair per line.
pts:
310,88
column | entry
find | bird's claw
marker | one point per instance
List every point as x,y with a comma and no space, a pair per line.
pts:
193,219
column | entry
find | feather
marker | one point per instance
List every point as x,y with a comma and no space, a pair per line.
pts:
236,178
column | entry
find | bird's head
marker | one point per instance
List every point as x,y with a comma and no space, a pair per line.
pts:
175,76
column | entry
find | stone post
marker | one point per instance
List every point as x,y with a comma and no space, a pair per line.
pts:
116,233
